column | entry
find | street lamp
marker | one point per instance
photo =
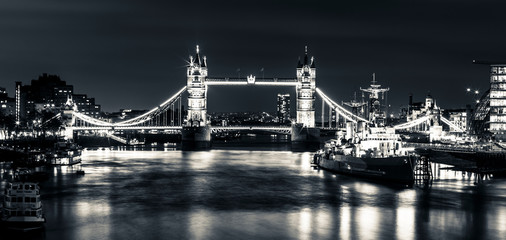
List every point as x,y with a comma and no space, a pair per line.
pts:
475,92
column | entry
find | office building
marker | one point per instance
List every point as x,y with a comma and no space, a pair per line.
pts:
49,93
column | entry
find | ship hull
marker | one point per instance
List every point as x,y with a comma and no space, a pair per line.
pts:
24,224
65,161
391,169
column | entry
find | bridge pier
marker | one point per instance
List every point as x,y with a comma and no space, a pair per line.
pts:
305,138
196,137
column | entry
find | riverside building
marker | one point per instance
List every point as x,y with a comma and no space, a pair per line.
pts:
49,93
498,100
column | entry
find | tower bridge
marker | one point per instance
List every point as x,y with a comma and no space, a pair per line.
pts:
195,126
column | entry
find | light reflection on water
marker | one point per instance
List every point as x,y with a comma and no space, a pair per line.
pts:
238,194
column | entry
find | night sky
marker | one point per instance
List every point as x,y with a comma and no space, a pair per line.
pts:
132,54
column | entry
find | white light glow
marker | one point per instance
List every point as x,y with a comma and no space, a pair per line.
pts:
368,219
305,224
345,223
405,219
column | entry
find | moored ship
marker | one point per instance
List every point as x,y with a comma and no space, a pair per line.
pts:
65,153
22,207
369,149
379,154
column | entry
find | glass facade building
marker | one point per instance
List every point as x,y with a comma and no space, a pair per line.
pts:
497,99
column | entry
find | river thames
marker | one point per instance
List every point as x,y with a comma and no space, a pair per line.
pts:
257,194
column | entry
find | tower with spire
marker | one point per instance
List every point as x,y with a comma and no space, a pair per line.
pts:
68,118
197,90
305,90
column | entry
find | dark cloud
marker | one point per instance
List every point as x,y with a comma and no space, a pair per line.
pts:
131,54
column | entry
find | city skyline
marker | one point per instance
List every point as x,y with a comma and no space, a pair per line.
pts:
138,51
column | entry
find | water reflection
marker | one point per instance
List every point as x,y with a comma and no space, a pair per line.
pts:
405,219
249,194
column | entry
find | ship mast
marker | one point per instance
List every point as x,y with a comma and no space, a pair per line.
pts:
376,116
357,107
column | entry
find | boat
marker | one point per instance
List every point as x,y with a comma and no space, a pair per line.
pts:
379,154
169,144
22,207
369,149
65,153
135,141
25,174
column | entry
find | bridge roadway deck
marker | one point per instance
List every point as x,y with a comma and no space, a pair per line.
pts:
282,129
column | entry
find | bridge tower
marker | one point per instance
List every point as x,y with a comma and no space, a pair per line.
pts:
197,132
197,91
304,131
305,90
68,118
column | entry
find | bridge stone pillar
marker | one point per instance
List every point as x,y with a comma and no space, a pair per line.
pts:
304,131
196,131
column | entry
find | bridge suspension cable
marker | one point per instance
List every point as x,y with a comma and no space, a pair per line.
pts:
413,123
134,121
424,119
339,109
452,125
92,120
49,120
155,111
